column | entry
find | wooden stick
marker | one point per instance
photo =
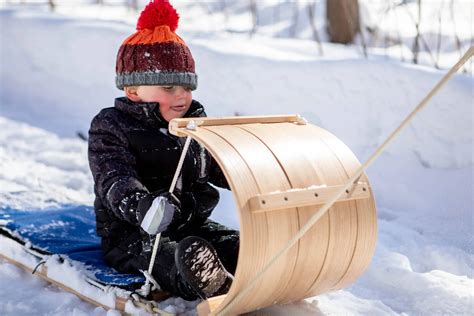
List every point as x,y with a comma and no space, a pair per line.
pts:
42,272
207,306
305,197
176,124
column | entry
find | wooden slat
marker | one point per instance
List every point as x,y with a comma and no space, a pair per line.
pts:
268,176
342,233
176,125
208,306
366,212
42,272
308,162
120,303
313,246
253,238
305,197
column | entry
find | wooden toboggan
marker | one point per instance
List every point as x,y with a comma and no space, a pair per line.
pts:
281,169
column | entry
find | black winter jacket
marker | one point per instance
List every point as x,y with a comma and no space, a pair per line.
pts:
132,154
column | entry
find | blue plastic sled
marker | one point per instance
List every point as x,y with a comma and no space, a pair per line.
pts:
68,231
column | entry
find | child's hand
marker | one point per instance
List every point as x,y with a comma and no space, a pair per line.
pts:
155,213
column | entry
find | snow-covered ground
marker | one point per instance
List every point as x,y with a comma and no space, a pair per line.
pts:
57,72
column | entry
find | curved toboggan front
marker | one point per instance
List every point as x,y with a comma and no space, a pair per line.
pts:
281,170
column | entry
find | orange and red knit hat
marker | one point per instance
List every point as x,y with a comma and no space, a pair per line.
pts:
155,55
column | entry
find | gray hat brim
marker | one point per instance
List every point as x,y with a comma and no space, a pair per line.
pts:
162,78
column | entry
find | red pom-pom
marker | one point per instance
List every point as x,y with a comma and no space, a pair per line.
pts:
157,13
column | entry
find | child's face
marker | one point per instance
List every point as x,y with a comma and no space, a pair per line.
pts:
174,100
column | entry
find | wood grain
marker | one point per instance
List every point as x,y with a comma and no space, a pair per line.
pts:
271,158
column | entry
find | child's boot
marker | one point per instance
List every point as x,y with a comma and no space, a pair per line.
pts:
200,267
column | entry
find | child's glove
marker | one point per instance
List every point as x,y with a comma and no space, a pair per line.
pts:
155,213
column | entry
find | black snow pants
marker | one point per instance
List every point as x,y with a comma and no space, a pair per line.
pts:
132,254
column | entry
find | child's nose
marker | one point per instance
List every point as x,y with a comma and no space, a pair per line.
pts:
181,92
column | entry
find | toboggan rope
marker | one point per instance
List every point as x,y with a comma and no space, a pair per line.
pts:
149,278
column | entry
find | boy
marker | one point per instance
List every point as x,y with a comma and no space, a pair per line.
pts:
133,159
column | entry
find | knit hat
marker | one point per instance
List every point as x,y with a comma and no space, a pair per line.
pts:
155,55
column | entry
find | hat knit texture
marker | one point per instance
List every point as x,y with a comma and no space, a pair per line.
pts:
154,54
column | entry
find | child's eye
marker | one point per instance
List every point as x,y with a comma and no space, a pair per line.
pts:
168,87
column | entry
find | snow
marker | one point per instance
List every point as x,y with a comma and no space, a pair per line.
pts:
39,297
58,71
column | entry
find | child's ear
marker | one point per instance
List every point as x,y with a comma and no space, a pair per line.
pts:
132,93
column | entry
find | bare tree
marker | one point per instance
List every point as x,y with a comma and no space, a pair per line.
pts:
52,5
399,35
456,37
254,11
438,40
374,30
419,38
342,20
295,18
276,13
416,42
311,9
362,39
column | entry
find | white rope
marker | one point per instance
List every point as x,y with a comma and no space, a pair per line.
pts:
28,249
315,217
180,164
146,287
103,287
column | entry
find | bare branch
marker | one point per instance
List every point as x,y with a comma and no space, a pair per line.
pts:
416,42
52,5
295,18
254,11
311,9
421,38
457,41
438,40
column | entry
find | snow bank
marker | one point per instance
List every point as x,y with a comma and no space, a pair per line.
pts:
268,79
38,169
60,72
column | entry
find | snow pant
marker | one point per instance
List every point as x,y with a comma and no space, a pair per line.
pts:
133,252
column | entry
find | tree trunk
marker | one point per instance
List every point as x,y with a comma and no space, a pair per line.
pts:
416,42
294,24
342,20
52,5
